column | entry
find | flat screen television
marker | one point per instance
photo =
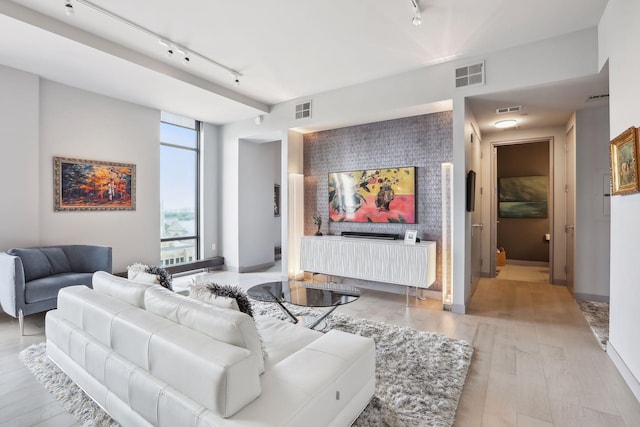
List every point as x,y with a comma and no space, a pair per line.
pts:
385,195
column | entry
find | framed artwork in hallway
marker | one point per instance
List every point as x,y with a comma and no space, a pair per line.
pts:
624,162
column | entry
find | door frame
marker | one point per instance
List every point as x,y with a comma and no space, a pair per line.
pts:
494,198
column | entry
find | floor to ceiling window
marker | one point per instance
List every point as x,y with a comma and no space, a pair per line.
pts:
179,177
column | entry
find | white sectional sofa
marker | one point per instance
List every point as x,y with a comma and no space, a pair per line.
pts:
149,356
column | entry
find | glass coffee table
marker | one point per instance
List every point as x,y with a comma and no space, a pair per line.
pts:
305,294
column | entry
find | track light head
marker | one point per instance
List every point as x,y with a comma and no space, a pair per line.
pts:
417,16
68,8
169,52
186,60
237,81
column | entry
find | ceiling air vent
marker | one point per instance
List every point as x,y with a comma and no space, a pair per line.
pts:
504,110
595,98
470,75
303,110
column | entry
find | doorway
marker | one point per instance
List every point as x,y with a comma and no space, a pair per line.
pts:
522,206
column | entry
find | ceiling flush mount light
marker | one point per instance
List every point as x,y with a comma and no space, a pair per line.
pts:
258,120
171,47
504,124
68,8
417,16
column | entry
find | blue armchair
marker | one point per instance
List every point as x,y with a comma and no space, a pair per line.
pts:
31,278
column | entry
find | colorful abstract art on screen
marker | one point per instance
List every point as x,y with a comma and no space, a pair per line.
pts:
376,195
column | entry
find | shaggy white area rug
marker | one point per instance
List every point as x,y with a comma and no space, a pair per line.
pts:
419,375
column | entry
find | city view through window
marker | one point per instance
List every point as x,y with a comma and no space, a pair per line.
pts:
179,150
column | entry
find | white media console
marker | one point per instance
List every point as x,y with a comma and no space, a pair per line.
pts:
388,261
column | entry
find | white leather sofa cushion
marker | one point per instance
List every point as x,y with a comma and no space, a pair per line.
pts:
282,339
131,332
222,377
90,311
314,384
120,288
226,325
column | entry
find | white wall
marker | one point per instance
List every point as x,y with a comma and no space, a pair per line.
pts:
79,124
618,30
19,164
592,206
41,119
558,236
258,169
276,154
210,166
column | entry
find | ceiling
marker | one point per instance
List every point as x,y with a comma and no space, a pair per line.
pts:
284,49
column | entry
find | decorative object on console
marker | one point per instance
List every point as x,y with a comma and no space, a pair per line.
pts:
410,236
382,195
90,185
317,220
523,197
139,272
624,162
221,295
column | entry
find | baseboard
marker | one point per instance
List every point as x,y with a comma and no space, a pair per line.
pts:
624,370
527,263
458,308
591,297
253,268
560,282
483,274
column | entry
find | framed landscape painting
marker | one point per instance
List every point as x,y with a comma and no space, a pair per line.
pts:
93,185
377,195
624,162
523,197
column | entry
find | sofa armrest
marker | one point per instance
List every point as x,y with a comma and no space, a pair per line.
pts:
89,258
11,284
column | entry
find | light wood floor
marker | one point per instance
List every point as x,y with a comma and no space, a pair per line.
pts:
523,273
536,362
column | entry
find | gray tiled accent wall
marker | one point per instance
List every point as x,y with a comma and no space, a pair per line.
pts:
422,141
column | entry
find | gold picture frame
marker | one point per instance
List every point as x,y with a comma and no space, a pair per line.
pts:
624,163
92,185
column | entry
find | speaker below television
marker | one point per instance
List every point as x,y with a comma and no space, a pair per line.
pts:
366,235
471,191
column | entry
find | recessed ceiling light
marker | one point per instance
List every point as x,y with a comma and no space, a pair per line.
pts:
502,124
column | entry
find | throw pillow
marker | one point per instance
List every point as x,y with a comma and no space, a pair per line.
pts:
218,294
200,291
149,274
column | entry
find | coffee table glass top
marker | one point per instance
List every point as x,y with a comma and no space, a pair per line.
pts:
304,293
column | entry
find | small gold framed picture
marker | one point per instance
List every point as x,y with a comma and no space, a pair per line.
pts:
624,162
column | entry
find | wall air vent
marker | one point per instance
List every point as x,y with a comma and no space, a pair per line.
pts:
470,75
303,111
504,110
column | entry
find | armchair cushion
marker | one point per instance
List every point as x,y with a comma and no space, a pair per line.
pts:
58,260
47,287
34,262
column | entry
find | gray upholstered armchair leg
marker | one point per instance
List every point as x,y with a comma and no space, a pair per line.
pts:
21,321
